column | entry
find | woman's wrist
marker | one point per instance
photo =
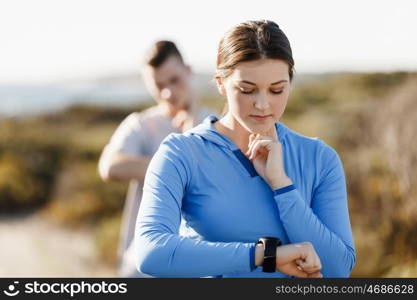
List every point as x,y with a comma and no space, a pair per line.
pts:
280,183
259,255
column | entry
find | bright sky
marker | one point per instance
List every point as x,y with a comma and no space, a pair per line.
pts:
53,40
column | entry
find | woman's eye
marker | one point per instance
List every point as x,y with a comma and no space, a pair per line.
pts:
277,92
246,91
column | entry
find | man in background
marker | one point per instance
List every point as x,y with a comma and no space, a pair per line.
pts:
127,155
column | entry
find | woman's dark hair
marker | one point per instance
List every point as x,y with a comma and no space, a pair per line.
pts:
253,40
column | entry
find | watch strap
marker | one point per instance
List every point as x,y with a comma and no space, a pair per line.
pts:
270,249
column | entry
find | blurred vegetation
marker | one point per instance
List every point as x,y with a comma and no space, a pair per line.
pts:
49,163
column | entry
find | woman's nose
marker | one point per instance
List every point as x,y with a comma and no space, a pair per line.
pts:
261,102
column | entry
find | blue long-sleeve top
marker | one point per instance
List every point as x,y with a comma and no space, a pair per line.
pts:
202,178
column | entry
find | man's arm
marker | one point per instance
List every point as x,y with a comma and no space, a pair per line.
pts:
118,166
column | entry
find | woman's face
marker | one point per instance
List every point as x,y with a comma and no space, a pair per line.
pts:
257,93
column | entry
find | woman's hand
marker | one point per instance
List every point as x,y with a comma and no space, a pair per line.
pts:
299,259
265,152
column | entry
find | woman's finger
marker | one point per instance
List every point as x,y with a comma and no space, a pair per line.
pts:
257,145
315,275
252,137
310,264
253,150
254,140
292,270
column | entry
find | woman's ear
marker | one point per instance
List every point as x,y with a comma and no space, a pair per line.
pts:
220,86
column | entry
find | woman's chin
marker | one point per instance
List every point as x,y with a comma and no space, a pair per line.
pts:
260,128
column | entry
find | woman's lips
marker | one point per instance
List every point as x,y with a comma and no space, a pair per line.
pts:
260,117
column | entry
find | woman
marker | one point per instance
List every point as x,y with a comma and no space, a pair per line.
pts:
244,177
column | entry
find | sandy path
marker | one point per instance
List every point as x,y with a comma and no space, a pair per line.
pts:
31,246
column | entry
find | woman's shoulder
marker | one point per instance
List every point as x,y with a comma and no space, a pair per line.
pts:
295,136
180,144
179,138
311,144
174,139
194,136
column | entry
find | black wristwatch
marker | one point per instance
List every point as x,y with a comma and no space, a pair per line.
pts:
270,249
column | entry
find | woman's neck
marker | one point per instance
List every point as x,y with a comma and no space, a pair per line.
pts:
232,129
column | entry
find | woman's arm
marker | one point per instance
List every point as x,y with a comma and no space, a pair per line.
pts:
326,224
161,252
